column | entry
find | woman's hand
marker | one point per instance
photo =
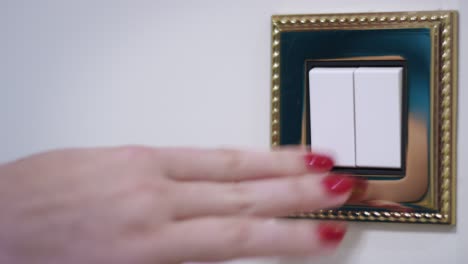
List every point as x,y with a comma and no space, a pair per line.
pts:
145,205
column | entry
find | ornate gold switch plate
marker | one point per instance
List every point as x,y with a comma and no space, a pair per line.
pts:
424,45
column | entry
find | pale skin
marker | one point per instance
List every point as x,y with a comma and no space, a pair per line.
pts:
159,205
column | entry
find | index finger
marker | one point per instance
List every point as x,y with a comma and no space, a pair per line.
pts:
237,165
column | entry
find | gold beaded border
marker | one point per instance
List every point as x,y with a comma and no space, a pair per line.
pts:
445,82
275,90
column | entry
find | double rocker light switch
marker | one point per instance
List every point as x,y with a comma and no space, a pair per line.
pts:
356,115
377,92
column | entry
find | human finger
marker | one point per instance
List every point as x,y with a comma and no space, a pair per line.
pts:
267,197
238,165
218,239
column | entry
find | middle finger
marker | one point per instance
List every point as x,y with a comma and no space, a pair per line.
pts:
266,198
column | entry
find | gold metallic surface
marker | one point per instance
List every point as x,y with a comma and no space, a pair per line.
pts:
444,84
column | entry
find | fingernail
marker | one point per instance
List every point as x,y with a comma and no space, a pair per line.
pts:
331,232
318,162
338,184
359,190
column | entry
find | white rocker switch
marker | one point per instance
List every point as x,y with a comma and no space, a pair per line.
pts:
332,113
378,112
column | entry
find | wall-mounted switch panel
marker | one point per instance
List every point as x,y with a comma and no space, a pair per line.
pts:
356,115
378,93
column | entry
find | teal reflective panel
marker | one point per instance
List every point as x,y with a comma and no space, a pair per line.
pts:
414,45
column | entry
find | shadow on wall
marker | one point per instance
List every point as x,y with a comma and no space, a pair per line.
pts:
354,238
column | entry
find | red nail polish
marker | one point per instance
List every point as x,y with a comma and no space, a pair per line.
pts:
338,184
318,162
331,233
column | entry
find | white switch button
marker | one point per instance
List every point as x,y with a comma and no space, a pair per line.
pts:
332,113
378,108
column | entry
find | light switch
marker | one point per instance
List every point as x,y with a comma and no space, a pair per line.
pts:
332,113
356,115
378,112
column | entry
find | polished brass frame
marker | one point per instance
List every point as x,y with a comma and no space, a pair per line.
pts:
443,26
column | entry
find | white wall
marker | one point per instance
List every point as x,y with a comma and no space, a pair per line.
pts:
86,73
